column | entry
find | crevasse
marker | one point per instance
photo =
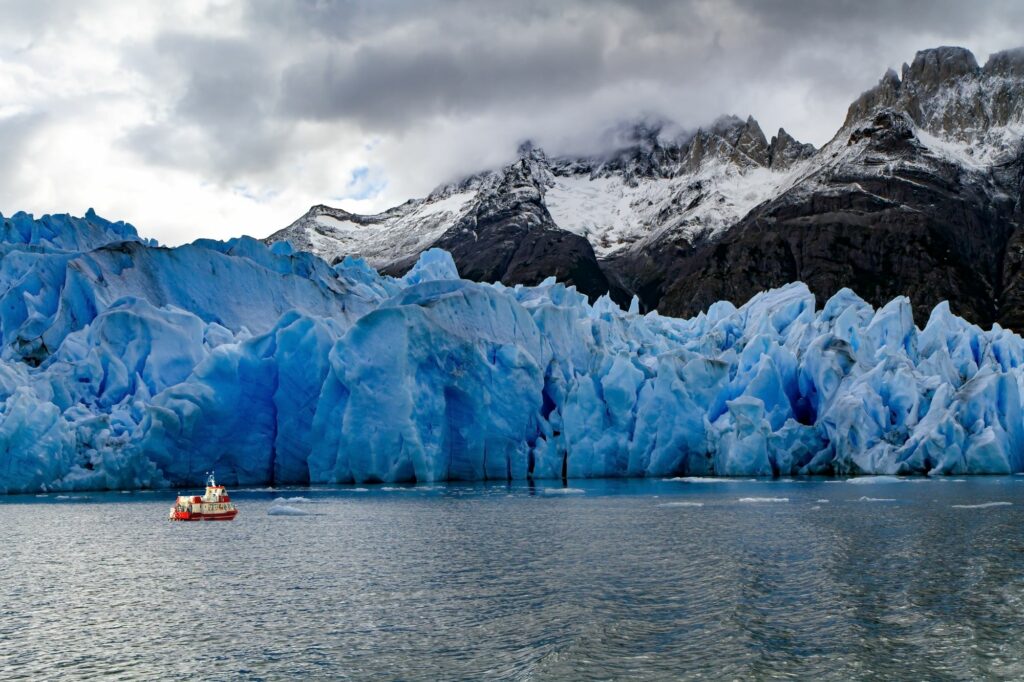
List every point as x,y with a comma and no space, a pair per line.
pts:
125,364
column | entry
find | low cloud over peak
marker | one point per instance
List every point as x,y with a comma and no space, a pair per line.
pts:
158,114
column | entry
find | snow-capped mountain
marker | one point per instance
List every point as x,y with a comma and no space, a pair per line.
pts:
918,193
655,184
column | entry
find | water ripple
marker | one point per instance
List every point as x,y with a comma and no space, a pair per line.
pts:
507,582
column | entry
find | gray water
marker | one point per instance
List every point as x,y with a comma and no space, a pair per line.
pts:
616,580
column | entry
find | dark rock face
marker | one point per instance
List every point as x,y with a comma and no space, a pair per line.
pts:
866,233
891,219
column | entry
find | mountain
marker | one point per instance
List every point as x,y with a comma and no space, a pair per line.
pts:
918,193
540,216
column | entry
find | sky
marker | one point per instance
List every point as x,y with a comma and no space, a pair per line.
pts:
211,118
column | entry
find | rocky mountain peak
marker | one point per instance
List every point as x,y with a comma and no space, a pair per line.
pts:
937,66
752,142
885,94
784,150
731,138
1008,64
946,93
324,209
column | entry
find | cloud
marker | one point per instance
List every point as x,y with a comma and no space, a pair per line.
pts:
364,183
218,117
18,131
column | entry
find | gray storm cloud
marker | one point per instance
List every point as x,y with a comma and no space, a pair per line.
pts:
286,99
392,67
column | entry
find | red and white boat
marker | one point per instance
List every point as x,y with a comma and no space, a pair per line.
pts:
215,505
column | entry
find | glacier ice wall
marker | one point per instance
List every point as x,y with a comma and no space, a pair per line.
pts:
124,364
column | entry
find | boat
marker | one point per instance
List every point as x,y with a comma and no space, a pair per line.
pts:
214,505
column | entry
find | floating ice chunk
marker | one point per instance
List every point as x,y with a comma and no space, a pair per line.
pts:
279,501
681,504
563,491
764,499
876,499
286,510
708,479
870,480
983,505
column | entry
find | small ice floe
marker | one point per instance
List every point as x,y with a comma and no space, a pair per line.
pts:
291,500
707,479
563,491
876,499
764,499
286,510
681,504
983,505
397,489
822,500
867,480
72,497
355,490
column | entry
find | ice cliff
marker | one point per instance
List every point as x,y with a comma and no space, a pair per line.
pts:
126,365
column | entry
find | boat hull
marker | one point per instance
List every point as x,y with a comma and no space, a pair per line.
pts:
201,516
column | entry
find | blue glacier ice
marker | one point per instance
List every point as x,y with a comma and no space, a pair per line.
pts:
125,364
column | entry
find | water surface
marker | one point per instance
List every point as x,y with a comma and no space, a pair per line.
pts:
608,579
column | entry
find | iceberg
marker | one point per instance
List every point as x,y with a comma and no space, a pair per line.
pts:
127,365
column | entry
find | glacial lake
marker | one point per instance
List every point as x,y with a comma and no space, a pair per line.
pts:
748,579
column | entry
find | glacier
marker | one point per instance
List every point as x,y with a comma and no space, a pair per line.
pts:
125,364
